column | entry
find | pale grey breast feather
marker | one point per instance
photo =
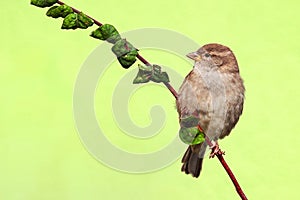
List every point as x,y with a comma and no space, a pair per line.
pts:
216,110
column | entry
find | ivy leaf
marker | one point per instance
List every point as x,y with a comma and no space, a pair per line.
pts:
199,139
189,132
74,21
191,136
59,11
53,12
43,3
125,52
106,32
84,21
151,73
128,59
143,75
70,22
158,76
190,121
122,47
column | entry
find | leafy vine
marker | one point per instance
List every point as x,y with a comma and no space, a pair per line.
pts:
190,132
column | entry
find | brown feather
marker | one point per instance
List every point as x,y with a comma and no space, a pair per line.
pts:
214,91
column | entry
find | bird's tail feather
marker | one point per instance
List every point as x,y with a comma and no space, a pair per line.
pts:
192,161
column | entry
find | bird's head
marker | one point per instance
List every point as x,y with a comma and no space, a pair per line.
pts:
215,56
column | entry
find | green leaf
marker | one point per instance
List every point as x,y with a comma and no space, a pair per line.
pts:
70,22
191,136
143,75
122,47
199,139
190,121
151,73
74,21
158,76
59,11
43,3
106,32
84,21
128,59
125,52
53,12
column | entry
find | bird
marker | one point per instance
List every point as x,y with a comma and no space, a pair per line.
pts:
213,92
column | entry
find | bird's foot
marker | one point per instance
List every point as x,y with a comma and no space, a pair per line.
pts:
215,150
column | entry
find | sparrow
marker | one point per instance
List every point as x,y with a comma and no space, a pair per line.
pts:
213,92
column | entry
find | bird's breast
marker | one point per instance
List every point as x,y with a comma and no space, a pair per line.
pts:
208,95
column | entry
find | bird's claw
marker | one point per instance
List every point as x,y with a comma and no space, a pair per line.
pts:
215,150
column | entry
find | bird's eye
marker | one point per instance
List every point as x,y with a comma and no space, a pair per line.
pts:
207,55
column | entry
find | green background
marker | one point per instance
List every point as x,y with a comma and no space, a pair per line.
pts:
40,151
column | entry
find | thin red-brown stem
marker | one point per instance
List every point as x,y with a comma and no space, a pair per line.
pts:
171,89
175,94
219,155
143,60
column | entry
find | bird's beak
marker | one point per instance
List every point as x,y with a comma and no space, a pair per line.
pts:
194,56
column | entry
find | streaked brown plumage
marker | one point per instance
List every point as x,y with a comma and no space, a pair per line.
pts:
214,92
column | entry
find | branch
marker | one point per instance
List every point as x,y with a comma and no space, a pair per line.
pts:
219,154
142,59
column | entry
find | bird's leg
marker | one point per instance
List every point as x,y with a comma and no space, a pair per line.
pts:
215,150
